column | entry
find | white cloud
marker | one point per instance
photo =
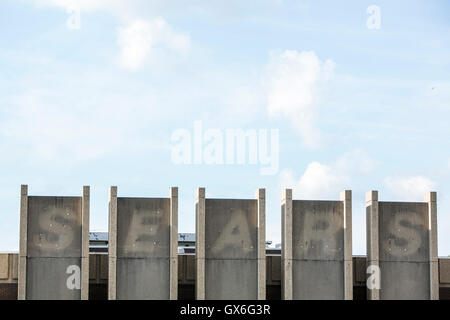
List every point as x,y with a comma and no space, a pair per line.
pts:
318,180
412,188
294,83
140,38
324,181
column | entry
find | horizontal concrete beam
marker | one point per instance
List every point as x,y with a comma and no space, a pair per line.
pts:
98,269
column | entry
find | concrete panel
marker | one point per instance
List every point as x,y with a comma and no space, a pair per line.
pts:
51,259
402,242
286,244
403,231
15,266
143,228
8,288
360,267
4,266
93,267
444,271
231,229
200,244
231,249
318,249
142,279
405,280
318,230
47,279
141,257
276,268
8,291
404,250
104,267
181,268
318,280
190,268
231,279
54,227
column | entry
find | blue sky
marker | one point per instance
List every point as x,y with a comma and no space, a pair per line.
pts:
96,101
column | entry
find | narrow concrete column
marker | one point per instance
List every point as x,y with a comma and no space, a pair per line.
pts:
373,253
432,234
286,244
200,244
173,195
112,244
85,243
346,198
22,272
261,199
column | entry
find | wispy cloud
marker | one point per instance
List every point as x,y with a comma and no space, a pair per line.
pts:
138,39
412,188
326,180
294,83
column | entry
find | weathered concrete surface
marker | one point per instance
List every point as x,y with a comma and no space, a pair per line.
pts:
54,236
231,249
404,250
318,249
231,279
404,280
142,279
200,244
54,227
286,244
143,227
444,271
4,266
318,280
143,248
186,277
47,279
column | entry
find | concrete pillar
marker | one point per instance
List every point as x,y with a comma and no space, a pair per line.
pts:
200,244
47,261
143,250
112,243
22,279
430,198
402,243
286,244
85,243
261,205
346,197
317,248
373,260
173,195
